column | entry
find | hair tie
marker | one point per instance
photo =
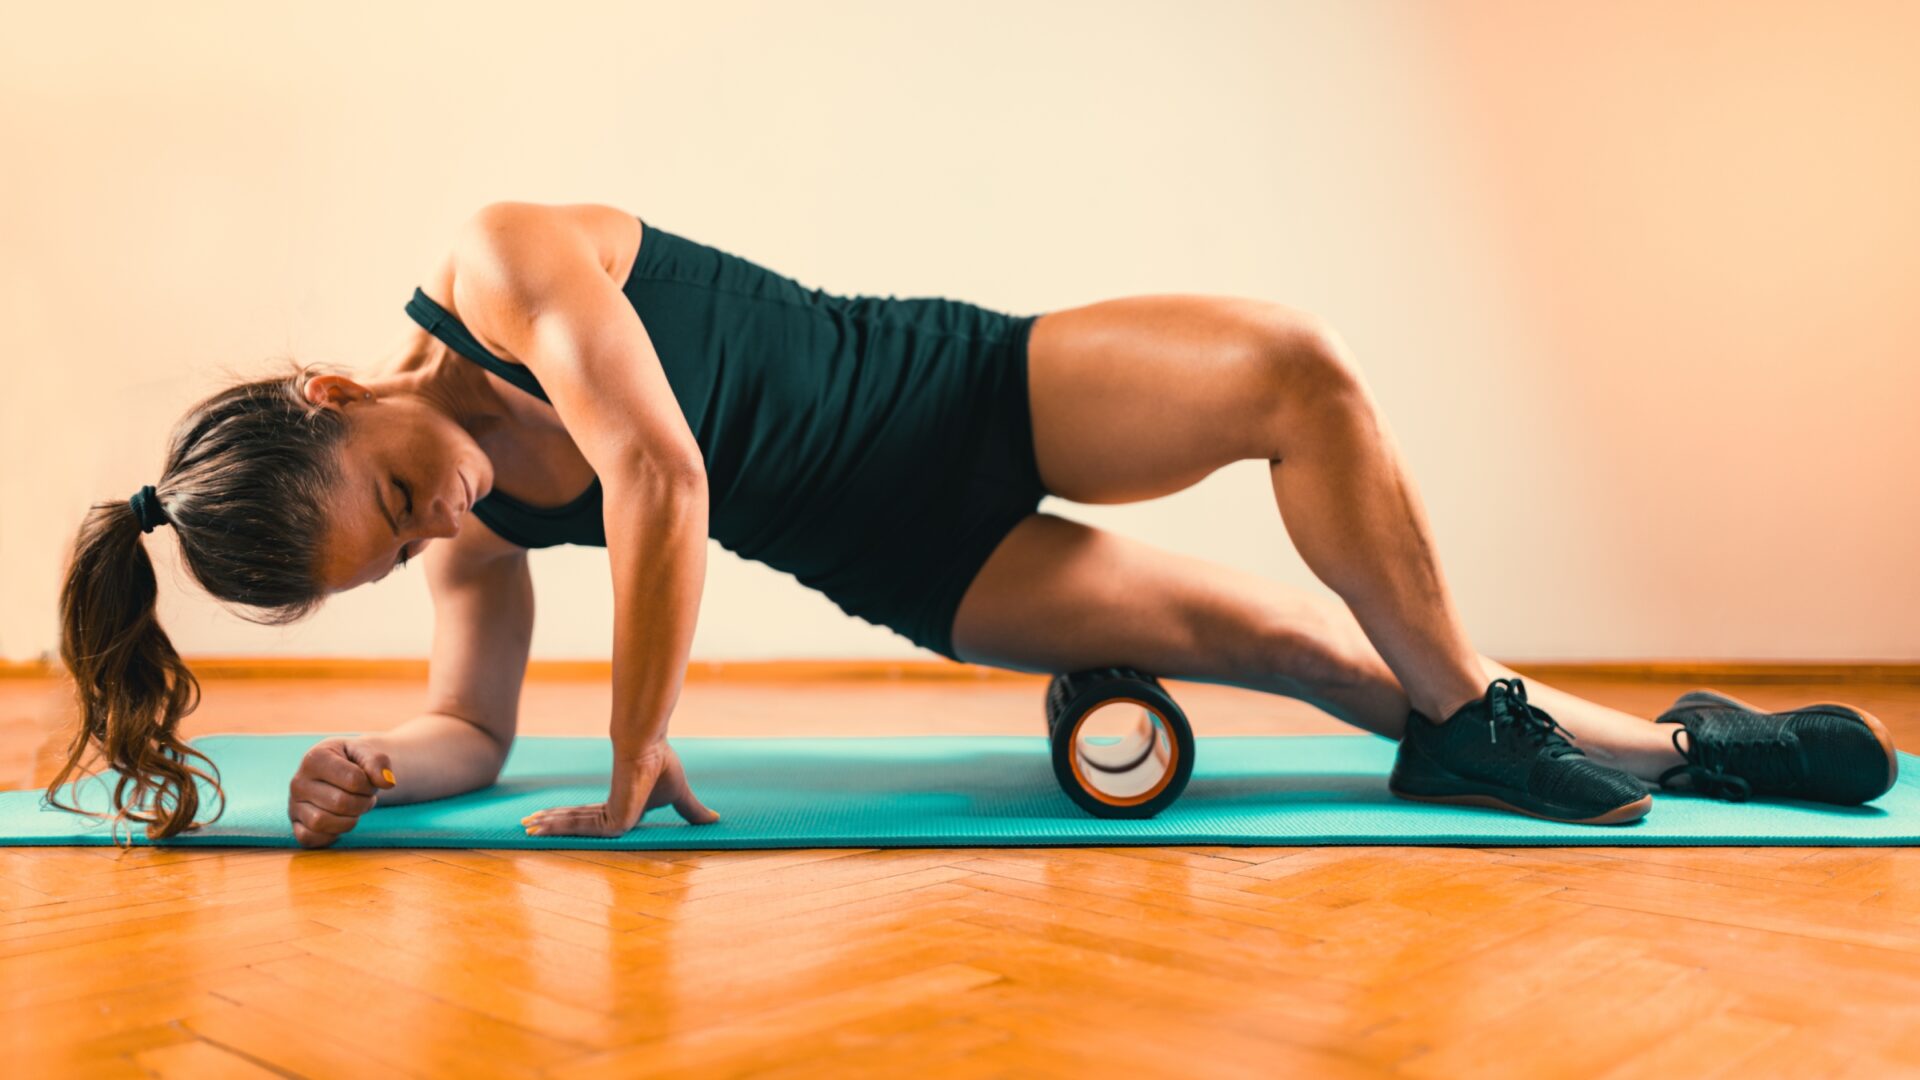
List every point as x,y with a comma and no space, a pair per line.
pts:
146,507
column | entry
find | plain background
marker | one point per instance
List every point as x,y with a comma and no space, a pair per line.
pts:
1634,282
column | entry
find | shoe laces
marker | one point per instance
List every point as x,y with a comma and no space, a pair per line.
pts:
1729,754
1507,701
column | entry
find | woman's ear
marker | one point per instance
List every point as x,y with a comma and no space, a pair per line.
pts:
335,390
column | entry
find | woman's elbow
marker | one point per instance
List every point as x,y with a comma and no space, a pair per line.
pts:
668,472
685,473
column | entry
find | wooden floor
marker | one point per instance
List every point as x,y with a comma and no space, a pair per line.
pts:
1319,961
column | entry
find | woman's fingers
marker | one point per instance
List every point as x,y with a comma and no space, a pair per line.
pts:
375,765
338,780
320,820
333,800
328,763
307,838
691,808
571,821
656,780
685,802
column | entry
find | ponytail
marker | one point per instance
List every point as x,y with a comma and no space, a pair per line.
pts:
132,686
249,478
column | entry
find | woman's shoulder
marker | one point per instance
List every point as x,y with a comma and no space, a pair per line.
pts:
518,242
506,253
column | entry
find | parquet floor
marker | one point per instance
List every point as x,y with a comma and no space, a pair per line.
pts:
1323,961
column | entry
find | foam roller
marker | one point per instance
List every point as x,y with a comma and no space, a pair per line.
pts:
1121,746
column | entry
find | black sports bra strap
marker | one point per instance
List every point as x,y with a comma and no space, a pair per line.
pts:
440,322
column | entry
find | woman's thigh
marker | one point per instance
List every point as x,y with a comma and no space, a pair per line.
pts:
1058,595
1143,396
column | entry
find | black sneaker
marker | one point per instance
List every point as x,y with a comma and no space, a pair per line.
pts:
1825,753
1501,752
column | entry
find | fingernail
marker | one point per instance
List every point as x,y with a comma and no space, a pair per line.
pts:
533,830
388,773
526,819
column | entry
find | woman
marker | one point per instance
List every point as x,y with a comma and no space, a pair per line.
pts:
582,376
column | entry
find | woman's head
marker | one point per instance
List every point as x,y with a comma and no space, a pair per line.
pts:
279,492
405,473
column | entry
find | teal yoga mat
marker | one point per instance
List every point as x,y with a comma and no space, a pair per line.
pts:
960,791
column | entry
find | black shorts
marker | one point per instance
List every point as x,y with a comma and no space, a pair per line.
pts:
908,566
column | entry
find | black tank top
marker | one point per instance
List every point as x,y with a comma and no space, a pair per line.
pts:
822,419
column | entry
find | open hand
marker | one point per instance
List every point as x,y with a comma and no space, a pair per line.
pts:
655,778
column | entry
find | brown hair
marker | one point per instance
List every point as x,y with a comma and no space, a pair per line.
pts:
246,485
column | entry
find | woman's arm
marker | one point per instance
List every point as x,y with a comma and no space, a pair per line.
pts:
534,279
436,756
657,544
482,632
483,626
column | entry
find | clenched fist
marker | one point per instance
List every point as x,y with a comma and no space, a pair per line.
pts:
338,780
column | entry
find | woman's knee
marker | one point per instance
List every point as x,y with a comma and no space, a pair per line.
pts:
1306,370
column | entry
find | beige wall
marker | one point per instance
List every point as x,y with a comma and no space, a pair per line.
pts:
1634,287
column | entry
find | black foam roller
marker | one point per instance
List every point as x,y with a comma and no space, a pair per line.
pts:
1070,697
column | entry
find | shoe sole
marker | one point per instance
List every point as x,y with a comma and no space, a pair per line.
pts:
1619,815
1829,708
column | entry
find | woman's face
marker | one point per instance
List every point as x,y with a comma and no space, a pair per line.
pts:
408,474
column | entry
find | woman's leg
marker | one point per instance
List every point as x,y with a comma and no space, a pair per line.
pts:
1058,595
1138,397
1143,396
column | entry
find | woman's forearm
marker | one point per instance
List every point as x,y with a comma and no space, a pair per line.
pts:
435,755
657,542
